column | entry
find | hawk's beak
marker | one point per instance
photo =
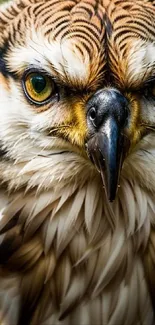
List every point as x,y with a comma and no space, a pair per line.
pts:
108,144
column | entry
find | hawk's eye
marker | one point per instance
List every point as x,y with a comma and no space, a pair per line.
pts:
38,87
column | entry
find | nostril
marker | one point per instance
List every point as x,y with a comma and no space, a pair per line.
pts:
92,114
105,104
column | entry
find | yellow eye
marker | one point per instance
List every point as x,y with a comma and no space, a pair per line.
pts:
39,87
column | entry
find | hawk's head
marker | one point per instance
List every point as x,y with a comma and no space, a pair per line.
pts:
77,85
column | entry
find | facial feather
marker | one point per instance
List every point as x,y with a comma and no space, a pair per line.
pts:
60,58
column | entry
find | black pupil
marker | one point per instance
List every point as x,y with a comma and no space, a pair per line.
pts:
38,83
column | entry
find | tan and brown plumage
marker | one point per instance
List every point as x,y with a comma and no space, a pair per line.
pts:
67,255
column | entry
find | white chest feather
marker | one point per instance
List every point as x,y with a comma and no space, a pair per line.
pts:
79,256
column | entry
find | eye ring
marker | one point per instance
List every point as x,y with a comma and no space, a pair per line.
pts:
39,88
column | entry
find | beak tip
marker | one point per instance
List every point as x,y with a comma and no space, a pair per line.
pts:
109,186
107,151
111,194
111,197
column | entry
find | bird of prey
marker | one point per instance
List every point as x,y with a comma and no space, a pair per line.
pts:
77,162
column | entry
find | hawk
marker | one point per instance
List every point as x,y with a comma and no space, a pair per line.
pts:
77,162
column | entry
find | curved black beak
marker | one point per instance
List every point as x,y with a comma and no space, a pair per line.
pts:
107,146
